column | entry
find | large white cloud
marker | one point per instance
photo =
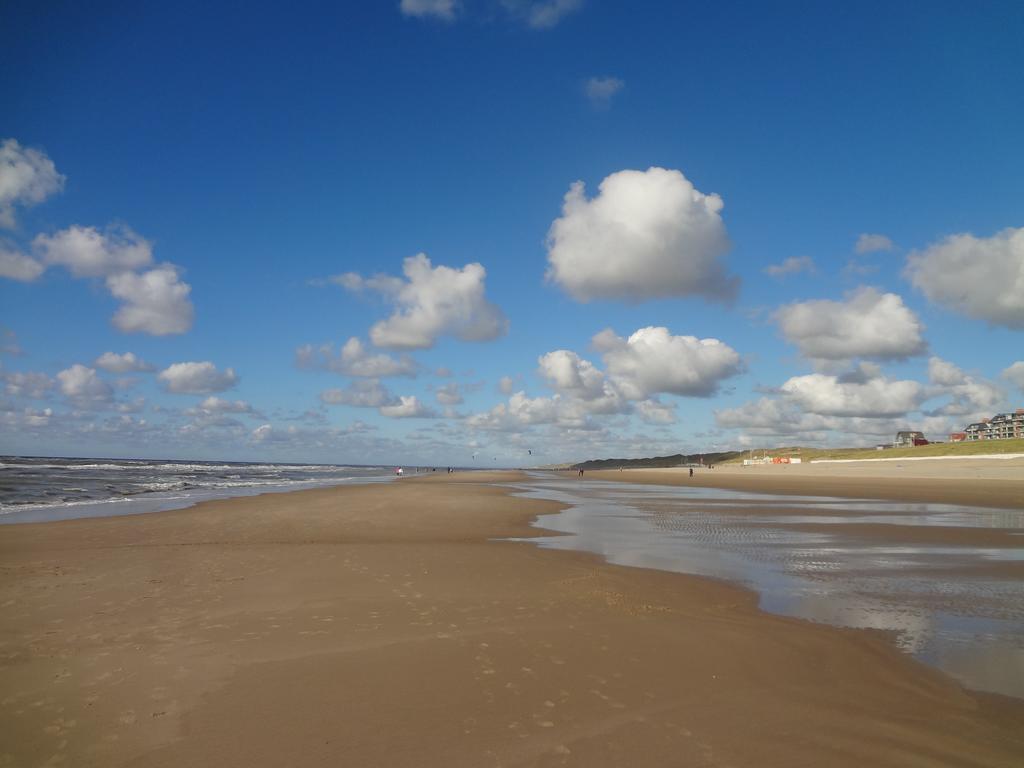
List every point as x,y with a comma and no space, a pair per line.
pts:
354,359
431,302
653,361
87,252
407,407
127,362
981,277
875,397
439,9
15,265
520,411
775,419
867,324
27,176
862,405
584,389
972,397
196,378
82,386
647,234
156,302
771,416
567,372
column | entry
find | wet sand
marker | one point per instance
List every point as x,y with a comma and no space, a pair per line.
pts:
972,482
385,626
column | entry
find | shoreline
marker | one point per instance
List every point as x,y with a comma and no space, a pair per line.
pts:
990,484
386,625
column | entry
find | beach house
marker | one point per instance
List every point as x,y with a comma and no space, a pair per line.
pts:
908,439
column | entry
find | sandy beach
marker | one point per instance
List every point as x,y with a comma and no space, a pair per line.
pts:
980,482
388,625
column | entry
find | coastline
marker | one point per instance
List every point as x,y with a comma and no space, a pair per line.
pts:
967,481
389,625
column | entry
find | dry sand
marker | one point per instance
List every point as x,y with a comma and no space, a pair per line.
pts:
982,482
381,625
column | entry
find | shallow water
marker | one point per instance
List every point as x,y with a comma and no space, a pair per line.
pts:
954,607
35,490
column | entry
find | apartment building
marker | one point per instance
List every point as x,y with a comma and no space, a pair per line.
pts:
1002,426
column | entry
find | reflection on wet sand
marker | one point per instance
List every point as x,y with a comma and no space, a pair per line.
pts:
945,579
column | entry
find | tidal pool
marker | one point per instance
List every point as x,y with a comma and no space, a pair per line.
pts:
948,600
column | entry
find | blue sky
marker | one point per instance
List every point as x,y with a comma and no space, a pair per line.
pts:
796,224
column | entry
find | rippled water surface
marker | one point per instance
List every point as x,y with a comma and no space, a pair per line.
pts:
46,489
957,606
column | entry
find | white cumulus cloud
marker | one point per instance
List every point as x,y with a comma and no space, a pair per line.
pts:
567,372
972,397
27,176
520,411
980,277
584,389
82,386
196,378
156,302
867,324
127,362
15,265
653,361
87,252
431,302
647,234
407,407
876,397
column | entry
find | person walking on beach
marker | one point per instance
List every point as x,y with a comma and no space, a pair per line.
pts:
691,471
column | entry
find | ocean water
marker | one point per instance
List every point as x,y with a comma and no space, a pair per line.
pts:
952,605
46,489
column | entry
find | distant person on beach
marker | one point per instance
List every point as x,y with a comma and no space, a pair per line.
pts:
691,471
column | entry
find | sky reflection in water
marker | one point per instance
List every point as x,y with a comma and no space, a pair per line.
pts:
970,625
